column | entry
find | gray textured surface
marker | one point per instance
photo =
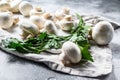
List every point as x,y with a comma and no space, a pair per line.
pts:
14,68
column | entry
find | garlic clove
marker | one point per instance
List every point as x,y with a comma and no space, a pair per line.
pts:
37,21
102,33
14,5
70,53
25,8
4,6
38,11
50,27
6,20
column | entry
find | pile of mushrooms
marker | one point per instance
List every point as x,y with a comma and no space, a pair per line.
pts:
36,19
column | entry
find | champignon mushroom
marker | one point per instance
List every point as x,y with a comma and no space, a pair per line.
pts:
50,27
71,53
60,14
38,11
37,21
25,8
14,5
4,6
102,33
6,20
48,16
15,19
29,29
66,24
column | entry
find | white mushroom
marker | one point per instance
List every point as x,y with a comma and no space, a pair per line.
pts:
15,19
50,27
6,20
37,21
48,16
102,33
25,8
67,23
14,5
29,29
4,6
71,53
38,11
60,14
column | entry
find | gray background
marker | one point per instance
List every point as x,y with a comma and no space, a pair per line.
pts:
15,68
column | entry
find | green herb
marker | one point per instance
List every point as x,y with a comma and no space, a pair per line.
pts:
46,41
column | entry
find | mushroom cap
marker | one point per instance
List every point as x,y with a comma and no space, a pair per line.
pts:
14,5
6,20
60,14
50,27
102,33
25,8
29,27
4,6
38,11
37,21
72,51
67,23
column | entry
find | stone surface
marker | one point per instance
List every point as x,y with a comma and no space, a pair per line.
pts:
14,68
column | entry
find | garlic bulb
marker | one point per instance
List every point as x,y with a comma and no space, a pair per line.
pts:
4,6
60,14
71,53
37,21
25,8
6,20
38,11
102,33
29,29
50,27
67,23
14,5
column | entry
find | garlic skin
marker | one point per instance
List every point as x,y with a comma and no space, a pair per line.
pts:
38,11
29,29
37,21
71,53
66,24
50,27
4,6
60,14
6,20
102,33
14,5
25,8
